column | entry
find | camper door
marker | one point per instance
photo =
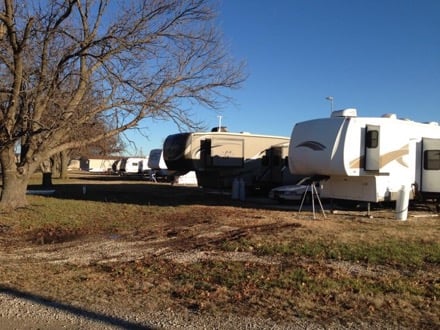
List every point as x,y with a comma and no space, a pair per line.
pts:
430,166
372,148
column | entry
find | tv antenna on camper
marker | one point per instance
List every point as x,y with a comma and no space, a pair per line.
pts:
219,127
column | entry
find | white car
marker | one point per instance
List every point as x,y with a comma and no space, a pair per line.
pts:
293,192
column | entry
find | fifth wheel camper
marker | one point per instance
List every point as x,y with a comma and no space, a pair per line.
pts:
219,157
368,159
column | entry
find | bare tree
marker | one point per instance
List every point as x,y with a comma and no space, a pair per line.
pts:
135,59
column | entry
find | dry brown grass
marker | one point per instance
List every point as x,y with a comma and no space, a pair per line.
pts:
162,247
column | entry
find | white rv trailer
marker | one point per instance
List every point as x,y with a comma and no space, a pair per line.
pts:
156,163
368,159
134,166
218,157
96,164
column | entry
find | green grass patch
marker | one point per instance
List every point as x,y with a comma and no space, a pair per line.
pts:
387,251
52,220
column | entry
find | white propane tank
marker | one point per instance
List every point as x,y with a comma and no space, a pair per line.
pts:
402,203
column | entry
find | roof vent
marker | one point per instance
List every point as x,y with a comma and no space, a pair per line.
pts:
219,129
389,115
350,112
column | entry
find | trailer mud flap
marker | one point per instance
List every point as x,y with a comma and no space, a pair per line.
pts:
430,180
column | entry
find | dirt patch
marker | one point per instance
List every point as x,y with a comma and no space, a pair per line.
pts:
55,234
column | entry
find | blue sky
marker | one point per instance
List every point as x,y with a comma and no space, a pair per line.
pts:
379,56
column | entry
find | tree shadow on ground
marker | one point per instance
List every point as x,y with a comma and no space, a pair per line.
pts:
135,190
63,307
135,193
140,191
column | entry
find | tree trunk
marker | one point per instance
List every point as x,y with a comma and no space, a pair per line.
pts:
46,168
14,191
15,183
55,163
64,163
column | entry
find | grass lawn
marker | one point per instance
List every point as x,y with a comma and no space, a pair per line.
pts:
159,246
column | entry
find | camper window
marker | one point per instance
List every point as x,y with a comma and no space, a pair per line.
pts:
372,139
432,160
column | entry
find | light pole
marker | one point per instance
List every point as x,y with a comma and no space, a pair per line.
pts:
330,98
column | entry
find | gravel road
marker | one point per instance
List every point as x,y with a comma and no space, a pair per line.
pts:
25,312
20,311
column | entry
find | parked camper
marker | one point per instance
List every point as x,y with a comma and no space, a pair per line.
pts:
155,160
134,166
74,164
156,163
96,164
116,166
218,157
368,159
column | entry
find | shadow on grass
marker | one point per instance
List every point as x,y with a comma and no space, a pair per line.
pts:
93,316
135,190
141,191
133,193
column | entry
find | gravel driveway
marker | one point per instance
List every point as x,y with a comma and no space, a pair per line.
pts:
23,311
